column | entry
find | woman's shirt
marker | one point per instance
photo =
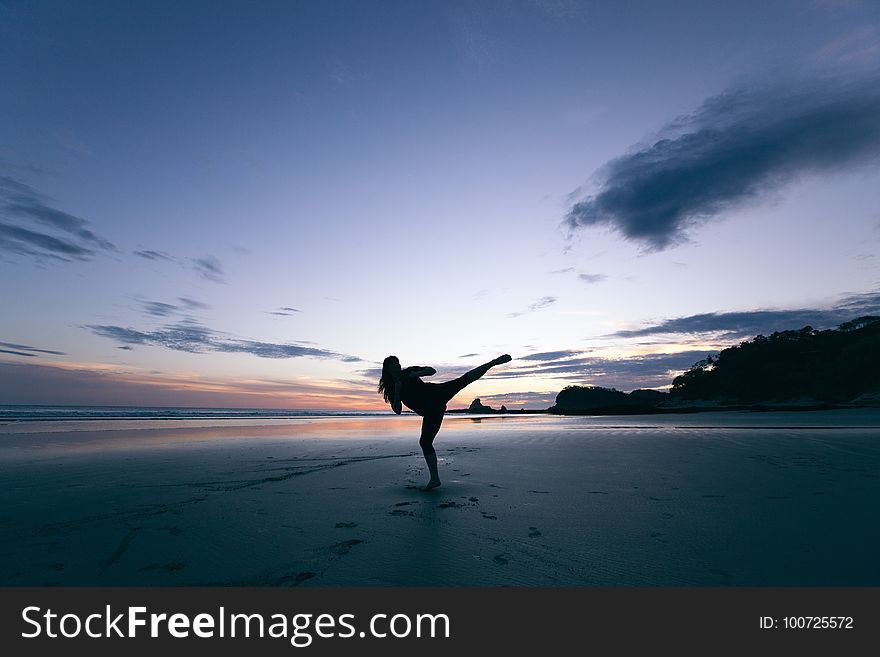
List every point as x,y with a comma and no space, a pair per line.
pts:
415,393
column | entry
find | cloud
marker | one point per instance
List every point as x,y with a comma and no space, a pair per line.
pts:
68,238
154,255
646,371
543,302
285,311
192,337
210,268
746,324
25,350
734,148
592,278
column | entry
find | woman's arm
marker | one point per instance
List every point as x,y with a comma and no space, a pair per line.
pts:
396,406
422,371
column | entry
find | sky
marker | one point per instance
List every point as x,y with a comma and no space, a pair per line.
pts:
252,204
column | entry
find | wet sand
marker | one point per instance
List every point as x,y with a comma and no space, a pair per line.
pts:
715,499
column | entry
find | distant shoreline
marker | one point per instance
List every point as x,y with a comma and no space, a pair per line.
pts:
691,408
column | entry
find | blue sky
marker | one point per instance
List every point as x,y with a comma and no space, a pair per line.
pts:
252,204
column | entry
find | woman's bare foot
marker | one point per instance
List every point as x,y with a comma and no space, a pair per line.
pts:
502,359
432,484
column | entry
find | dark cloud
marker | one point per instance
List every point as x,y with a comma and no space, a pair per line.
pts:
68,238
736,147
468,355
543,302
28,242
210,268
154,255
191,337
748,324
25,350
592,278
16,353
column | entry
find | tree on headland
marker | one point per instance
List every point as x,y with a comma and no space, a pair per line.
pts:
830,366
574,399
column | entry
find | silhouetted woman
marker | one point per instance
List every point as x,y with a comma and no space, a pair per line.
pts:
427,399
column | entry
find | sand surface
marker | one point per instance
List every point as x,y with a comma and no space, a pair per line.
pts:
692,500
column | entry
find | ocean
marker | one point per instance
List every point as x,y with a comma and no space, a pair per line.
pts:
26,413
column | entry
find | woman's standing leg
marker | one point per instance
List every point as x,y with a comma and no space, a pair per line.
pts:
430,426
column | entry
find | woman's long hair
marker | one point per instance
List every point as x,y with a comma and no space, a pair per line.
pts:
389,366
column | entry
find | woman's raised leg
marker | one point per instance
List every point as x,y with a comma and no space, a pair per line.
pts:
477,372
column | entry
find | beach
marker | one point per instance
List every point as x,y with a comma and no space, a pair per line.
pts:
710,499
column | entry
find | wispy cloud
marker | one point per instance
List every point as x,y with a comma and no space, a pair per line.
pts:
149,254
516,400
25,350
744,324
592,278
543,302
160,309
193,304
210,268
549,355
164,309
629,373
192,337
735,148
285,311
30,226
29,382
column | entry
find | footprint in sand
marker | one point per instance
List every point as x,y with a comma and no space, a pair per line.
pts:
346,525
448,504
164,567
489,516
343,547
534,532
294,580
501,559
401,512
